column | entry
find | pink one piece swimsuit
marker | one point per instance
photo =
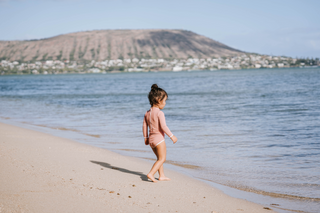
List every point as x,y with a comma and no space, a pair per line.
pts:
155,120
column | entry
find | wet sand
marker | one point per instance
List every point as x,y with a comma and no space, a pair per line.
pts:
43,173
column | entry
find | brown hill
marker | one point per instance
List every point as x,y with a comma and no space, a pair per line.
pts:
113,44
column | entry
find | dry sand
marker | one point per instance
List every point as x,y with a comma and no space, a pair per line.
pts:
43,173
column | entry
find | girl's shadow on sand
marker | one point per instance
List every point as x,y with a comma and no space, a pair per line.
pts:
107,165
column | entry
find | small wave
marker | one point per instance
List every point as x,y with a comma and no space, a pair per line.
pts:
271,194
277,135
291,110
278,145
92,135
69,129
291,210
6,118
222,135
57,128
66,129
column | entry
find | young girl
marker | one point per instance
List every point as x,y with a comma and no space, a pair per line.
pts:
155,120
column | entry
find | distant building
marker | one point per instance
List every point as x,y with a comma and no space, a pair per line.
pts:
135,60
49,63
94,70
135,70
177,69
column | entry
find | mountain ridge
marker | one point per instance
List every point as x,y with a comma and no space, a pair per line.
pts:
114,44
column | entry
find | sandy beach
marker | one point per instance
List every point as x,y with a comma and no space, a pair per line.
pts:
44,173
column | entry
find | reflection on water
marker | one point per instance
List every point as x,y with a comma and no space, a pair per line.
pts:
254,130
133,150
181,164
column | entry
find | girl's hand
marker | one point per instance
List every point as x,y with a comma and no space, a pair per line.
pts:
174,139
146,141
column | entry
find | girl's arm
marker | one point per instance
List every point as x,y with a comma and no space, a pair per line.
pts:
163,125
145,131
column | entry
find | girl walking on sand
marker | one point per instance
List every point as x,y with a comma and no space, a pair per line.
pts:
154,120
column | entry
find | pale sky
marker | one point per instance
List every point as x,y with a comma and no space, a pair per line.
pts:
274,27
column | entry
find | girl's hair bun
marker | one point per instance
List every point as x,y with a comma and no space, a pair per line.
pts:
156,94
154,87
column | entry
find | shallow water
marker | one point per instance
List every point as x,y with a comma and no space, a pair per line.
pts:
254,130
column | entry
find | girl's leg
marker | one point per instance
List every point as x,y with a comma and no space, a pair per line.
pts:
160,171
161,174
161,153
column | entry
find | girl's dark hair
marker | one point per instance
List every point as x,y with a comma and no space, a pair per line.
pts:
156,95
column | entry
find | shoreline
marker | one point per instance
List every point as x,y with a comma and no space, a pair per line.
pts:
45,173
196,70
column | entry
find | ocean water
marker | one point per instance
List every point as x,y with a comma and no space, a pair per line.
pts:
254,131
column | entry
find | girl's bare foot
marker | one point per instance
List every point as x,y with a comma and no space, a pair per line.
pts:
152,178
164,179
